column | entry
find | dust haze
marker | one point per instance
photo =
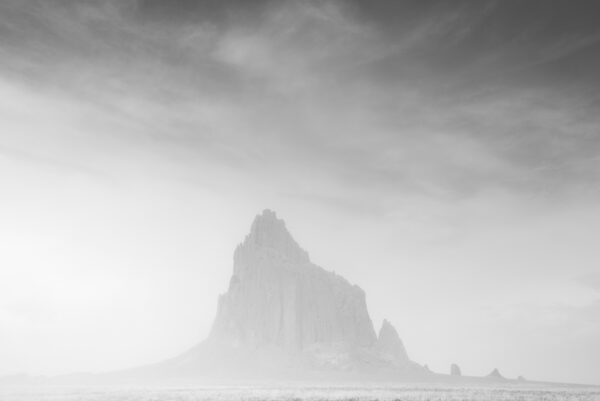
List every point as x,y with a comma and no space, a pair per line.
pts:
349,192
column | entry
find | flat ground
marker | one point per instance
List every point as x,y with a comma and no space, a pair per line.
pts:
425,392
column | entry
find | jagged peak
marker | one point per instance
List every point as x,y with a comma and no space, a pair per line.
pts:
455,370
267,215
386,325
269,231
390,343
496,374
388,330
267,223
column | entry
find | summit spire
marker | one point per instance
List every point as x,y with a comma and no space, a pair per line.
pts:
269,232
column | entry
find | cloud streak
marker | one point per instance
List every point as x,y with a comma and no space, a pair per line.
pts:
301,80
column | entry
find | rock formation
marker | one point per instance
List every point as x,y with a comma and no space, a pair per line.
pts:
284,312
390,344
495,374
276,296
455,370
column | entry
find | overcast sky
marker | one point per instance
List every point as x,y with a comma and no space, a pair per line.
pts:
445,156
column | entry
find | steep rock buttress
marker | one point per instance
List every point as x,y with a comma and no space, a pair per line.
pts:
276,296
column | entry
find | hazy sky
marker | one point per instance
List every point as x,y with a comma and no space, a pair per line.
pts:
445,156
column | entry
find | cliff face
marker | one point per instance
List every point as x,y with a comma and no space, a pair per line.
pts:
276,296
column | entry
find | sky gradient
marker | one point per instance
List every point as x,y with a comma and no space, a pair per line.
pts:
445,156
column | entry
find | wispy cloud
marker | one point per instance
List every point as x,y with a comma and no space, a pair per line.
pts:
300,82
